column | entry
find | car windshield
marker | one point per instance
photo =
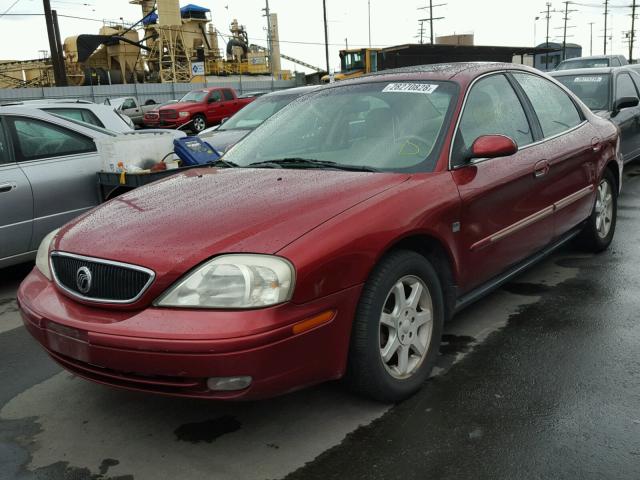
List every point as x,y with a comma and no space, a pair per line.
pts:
584,63
384,126
593,90
195,96
257,112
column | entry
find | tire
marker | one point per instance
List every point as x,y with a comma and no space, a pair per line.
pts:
390,379
598,233
199,123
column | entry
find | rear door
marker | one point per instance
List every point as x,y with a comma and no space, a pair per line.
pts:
506,210
628,119
570,145
16,203
215,107
230,103
61,166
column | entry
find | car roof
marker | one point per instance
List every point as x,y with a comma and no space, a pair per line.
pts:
33,112
47,101
462,72
591,71
591,57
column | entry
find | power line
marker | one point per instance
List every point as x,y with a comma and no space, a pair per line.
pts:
10,7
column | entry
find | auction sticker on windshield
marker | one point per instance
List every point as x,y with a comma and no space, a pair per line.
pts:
410,87
587,79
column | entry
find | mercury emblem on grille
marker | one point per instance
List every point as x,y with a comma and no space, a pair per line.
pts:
83,279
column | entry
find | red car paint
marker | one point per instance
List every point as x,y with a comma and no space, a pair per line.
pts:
333,226
168,116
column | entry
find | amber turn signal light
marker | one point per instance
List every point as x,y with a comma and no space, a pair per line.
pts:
308,324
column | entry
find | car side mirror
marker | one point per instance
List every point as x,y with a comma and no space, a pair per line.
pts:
625,102
493,146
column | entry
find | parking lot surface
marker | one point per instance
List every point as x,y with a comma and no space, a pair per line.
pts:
537,380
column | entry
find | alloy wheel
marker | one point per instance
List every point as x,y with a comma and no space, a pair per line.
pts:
604,209
406,327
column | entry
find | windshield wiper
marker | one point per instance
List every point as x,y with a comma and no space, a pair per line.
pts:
311,163
222,163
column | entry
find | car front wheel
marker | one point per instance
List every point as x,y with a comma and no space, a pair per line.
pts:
199,123
397,329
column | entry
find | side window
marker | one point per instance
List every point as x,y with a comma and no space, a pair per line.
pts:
228,95
625,87
492,107
615,62
37,139
555,110
80,114
4,147
215,96
128,103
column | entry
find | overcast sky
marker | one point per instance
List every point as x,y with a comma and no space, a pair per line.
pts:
494,22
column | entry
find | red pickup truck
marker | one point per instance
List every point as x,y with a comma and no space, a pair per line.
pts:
198,108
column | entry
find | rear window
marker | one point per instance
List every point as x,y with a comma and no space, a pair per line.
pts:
584,63
593,90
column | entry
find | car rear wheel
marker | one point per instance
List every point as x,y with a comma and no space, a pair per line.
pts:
397,329
601,225
199,123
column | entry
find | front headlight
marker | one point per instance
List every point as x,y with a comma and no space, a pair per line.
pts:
42,257
184,114
234,281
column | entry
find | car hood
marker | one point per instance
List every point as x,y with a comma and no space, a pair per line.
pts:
223,139
172,225
179,106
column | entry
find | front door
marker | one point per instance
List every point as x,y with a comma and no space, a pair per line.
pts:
504,216
628,119
16,204
61,166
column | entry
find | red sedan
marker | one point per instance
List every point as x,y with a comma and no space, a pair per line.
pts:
335,240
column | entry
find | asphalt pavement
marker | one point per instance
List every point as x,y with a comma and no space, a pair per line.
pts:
539,380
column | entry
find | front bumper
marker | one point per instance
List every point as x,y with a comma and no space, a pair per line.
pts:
174,352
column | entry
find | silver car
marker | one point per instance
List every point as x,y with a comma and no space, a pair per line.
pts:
48,168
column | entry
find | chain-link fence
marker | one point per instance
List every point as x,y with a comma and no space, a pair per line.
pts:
158,92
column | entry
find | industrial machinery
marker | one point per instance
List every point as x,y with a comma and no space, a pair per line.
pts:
355,63
168,44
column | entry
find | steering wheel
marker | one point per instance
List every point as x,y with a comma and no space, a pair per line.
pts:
414,145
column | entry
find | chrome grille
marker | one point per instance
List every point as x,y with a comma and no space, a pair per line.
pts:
110,282
168,114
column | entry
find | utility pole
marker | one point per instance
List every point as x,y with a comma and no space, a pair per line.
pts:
346,44
606,12
564,32
632,34
547,17
421,32
326,34
431,17
267,14
369,18
53,47
56,31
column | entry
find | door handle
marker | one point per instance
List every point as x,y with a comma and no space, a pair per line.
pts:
595,144
7,187
541,168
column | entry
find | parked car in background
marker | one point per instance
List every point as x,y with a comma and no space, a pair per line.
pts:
611,93
333,240
230,132
151,118
593,61
132,108
202,107
48,167
104,116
